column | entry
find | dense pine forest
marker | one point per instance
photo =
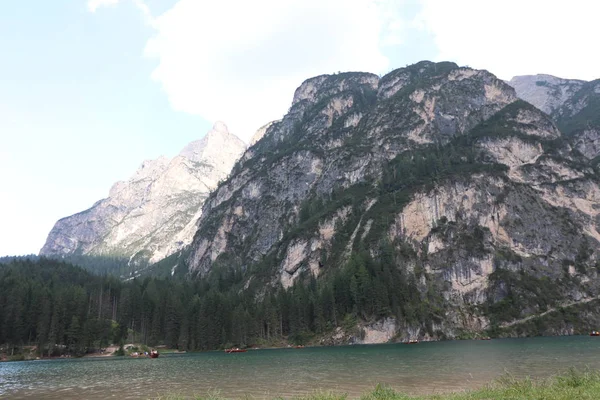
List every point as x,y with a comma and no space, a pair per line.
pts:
63,309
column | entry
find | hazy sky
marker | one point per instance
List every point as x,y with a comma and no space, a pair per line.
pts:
90,89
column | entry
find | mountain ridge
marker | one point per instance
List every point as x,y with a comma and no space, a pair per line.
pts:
421,134
546,92
573,104
153,214
442,164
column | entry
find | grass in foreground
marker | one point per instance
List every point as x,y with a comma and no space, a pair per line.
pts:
574,385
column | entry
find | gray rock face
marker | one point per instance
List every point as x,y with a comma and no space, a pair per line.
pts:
573,104
260,133
154,213
587,142
471,185
546,92
307,153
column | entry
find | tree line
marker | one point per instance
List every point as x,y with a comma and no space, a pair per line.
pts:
63,309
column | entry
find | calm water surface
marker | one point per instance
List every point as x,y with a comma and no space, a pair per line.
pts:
416,369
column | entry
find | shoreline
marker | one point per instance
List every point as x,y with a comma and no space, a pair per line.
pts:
110,350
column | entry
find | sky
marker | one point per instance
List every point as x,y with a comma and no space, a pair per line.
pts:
91,88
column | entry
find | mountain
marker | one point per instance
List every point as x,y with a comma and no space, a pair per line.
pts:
573,104
546,92
430,202
154,213
260,133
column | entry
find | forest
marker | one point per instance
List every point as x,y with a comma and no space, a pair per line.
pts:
63,309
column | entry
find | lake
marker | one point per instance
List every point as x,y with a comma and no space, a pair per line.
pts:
417,369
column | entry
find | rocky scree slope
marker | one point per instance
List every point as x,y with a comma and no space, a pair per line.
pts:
471,198
154,213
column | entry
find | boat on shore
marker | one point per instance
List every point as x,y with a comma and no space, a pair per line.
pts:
412,341
235,350
595,333
154,354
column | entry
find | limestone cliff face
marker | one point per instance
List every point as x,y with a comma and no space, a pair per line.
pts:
154,213
478,193
260,133
573,104
546,92
338,132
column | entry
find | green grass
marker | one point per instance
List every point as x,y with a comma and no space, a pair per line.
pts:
574,385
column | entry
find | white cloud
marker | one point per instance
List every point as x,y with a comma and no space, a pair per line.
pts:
240,61
145,12
517,37
93,5
394,26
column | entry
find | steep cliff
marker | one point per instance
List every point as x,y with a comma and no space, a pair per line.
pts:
573,104
154,213
473,201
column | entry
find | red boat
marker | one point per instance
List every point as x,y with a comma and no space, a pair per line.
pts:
154,354
235,350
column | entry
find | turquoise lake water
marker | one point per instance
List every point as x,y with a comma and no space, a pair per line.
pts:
417,369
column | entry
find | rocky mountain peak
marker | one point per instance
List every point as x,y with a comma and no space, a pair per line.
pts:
546,92
437,100
154,213
341,131
314,89
220,127
218,147
573,104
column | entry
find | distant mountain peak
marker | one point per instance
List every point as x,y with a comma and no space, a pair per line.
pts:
153,213
220,127
546,92
217,147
